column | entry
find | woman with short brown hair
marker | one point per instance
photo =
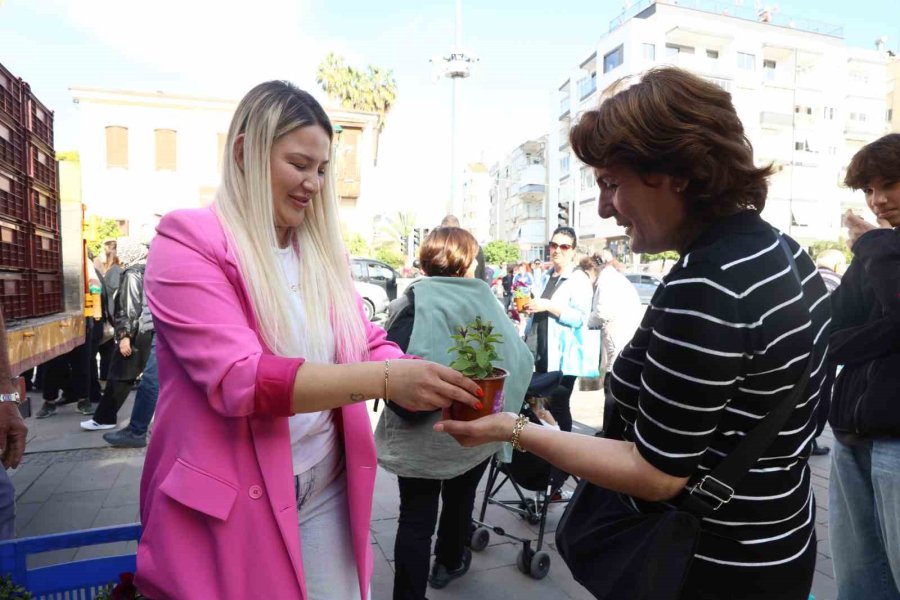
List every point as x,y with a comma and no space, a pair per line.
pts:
725,341
430,466
448,252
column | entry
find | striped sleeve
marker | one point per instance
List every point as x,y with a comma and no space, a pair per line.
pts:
695,354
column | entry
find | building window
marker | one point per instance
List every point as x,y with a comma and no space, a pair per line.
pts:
890,115
828,113
675,49
564,166
769,69
117,147
746,61
165,150
713,54
588,181
587,86
613,59
648,51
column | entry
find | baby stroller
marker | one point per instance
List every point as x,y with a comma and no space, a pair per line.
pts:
526,473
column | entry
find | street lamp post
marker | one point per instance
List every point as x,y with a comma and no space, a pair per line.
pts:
456,65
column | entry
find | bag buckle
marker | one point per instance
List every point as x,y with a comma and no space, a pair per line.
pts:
711,487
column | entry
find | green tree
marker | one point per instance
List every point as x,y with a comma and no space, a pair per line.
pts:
667,255
372,90
98,229
390,253
356,245
817,247
500,251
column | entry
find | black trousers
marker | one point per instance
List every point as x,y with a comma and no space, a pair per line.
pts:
418,515
114,397
560,402
70,373
106,351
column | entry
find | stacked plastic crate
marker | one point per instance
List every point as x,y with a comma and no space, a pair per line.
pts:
30,257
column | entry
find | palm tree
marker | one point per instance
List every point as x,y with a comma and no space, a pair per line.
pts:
373,90
401,228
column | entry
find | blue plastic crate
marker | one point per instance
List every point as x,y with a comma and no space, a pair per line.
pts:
73,580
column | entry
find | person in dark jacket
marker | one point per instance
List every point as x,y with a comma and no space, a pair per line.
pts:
864,496
133,341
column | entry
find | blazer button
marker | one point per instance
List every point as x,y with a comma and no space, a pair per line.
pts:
255,492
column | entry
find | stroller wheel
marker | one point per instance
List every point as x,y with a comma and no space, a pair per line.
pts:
523,560
540,565
480,539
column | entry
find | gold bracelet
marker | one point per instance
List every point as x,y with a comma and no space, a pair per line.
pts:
387,372
521,422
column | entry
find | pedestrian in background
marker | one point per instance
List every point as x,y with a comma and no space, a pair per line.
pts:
133,337
431,467
559,311
134,435
864,495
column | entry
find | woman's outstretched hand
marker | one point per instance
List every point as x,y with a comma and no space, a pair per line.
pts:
423,385
493,428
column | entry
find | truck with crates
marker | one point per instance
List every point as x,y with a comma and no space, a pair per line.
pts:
42,249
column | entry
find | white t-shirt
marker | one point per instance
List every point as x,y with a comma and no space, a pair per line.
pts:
313,435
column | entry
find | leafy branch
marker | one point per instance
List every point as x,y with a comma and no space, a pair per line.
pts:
475,349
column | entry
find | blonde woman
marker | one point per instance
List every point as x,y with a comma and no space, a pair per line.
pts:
259,477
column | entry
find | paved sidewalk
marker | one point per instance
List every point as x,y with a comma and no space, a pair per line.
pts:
70,479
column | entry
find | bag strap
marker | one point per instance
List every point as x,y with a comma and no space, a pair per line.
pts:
716,489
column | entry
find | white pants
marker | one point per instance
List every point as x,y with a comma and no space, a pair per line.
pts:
329,565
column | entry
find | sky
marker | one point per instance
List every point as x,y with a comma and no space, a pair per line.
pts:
214,48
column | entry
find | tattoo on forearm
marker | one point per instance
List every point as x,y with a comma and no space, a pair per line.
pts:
357,397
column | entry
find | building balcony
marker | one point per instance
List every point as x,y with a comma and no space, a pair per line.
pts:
864,130
529,192
776,119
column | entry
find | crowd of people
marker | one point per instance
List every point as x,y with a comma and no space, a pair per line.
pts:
262,359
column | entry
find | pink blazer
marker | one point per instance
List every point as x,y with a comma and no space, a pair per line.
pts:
217,494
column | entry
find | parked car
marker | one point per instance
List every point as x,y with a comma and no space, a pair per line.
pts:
369,270
645,284
375,299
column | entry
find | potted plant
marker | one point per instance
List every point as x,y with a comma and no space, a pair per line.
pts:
521,296
476,353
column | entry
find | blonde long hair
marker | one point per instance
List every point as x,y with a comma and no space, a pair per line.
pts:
333,325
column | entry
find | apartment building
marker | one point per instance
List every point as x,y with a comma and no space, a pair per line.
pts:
808,103
475,217
518,198
145,154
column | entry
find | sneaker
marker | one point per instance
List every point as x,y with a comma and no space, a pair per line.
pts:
441,575
92,425
47,410
84,406
124,438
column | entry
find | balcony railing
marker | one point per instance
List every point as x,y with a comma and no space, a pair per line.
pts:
776,118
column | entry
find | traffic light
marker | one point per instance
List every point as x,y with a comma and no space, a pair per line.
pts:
417,239
563,216
404,242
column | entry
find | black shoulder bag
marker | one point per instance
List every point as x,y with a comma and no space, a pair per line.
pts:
617,552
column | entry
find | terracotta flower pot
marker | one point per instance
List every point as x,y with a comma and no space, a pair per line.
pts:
492,402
